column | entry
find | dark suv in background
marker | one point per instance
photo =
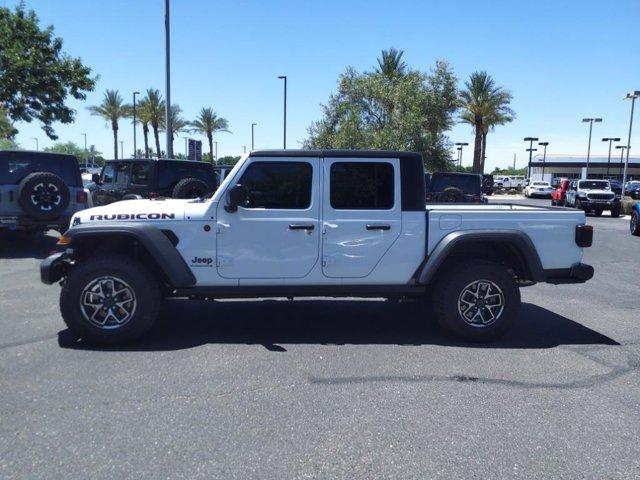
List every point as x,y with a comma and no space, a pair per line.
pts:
39,191
145,178
450,187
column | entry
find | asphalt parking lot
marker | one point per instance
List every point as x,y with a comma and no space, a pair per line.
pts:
327,389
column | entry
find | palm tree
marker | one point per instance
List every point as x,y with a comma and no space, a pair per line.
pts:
145,117
178,124
112,109
484,105
154,106
391,64
208,123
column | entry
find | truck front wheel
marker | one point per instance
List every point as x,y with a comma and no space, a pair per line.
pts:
110,300
476,300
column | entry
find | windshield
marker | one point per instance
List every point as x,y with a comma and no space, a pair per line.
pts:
469,184
594,185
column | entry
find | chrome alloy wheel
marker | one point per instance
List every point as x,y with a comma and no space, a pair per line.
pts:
481,303
108,302
45,196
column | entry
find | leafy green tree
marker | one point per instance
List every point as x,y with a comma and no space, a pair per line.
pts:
112,109
484,105
36,76
178,123
143,115
73,148
410,110
8,144
6,127
228,160
208,123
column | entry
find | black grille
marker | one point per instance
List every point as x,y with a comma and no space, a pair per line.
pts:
600,196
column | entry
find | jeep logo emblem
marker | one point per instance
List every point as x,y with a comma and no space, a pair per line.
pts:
201,261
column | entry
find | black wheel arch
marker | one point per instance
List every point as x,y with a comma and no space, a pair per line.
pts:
512,248
154,247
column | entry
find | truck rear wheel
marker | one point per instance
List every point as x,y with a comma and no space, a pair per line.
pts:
110,300
476,300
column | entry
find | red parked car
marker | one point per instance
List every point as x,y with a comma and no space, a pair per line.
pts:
559,195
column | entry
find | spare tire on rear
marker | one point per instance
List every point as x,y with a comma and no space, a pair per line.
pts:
451,195
43,195
190,188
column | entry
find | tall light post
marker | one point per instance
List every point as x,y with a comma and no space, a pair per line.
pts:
186,147
252,127
167,53
530,150
122,149
244,149
622,149
544,157
86,154
216,157
460,146
630,96
284,141
36,139
610,140
135,149
590,122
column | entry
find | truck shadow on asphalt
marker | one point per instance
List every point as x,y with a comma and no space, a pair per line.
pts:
26,245
275,324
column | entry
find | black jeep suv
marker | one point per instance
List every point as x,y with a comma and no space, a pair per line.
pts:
450,187
146,178
39,190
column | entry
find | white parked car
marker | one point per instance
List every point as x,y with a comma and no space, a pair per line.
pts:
300,223
511,181
538,189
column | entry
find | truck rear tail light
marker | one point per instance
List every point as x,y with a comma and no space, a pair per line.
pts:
584,235
81,197
428,197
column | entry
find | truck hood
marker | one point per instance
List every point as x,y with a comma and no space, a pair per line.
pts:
134,210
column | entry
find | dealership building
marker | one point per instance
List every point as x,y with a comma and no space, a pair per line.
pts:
575,166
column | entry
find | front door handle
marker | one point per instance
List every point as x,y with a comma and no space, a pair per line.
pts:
296,226
378,227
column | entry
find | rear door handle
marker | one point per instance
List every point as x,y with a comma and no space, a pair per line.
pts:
295,226
378,227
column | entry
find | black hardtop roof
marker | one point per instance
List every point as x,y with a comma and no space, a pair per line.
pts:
32,153
456,173
338,153
140,160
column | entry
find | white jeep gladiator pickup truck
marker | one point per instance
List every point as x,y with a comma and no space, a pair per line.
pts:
295,223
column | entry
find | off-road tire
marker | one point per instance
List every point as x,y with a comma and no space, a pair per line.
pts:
634,224
615,211
455,279
451,195
190,188
144,286
597,212
43,195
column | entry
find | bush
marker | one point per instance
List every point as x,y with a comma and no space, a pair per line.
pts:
627,205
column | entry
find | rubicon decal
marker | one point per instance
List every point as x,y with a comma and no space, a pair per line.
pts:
134,216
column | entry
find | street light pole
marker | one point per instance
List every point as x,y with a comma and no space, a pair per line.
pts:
460,146
216,157
530,150
37,147
122,149
252,127
590,122
630,96
544,157
167,50
610,140
244,149
622,149
284,142
135,150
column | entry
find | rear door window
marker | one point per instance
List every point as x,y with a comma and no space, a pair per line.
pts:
140,173
361,186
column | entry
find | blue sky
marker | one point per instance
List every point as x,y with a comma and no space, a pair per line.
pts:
562,60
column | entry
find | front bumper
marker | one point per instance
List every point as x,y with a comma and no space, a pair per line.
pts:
577,273
53,268
588,204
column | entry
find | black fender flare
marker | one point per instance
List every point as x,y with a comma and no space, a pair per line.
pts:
157,244
519,240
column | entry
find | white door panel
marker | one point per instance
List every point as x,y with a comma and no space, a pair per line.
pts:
355,239
263,243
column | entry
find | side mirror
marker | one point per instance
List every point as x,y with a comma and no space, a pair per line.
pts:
236,197
95,178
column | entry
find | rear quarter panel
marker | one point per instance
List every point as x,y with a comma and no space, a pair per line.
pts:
552,231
